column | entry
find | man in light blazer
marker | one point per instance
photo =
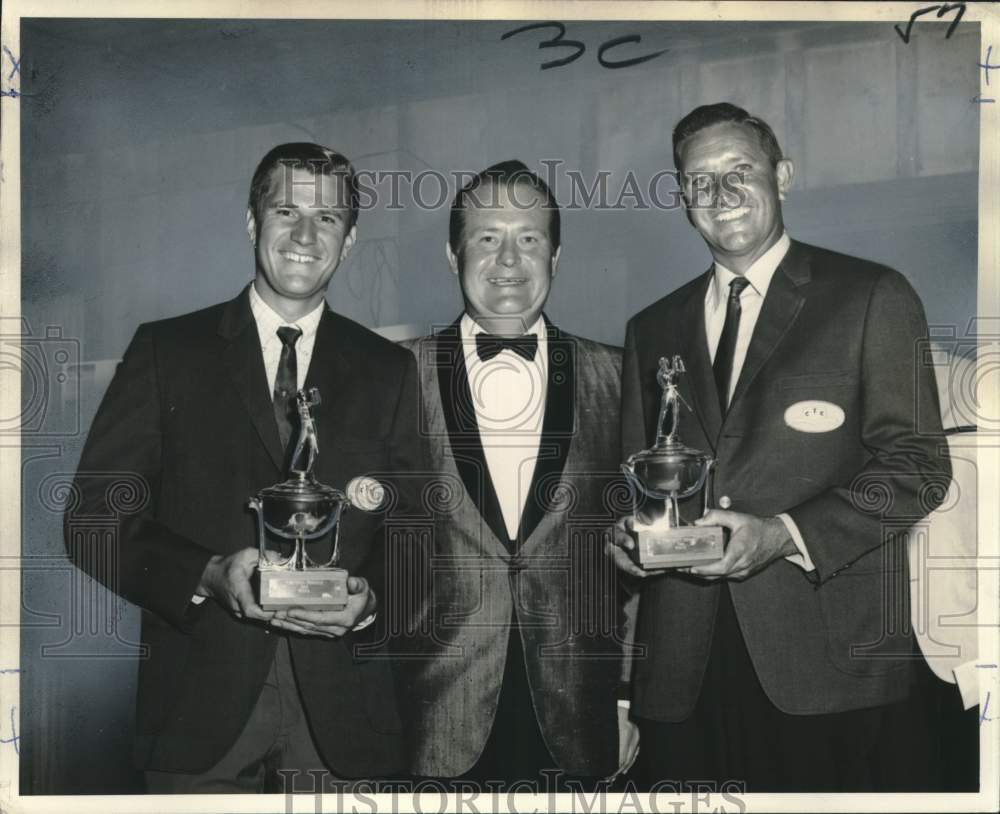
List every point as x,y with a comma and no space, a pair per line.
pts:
198,418
783,665
510,658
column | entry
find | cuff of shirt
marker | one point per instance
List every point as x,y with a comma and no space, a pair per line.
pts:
967,680
802,559
364,623
197,600
368,619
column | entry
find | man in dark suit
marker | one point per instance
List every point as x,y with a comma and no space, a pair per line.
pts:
198,418
783,664
512,647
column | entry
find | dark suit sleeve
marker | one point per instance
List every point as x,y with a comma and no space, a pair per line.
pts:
119,477
633,439
633,421
905,476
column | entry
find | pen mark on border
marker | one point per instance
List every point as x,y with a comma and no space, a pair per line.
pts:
11,91
14,61
987,67
941,10
14,738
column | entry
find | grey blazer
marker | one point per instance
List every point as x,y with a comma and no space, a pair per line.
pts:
468,581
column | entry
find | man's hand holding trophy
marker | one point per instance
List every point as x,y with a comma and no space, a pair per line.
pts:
665,474
295,593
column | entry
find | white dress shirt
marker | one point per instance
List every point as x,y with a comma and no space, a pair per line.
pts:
751,299
268,321
508,393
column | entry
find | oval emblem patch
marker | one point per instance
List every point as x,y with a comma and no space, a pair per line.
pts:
814,416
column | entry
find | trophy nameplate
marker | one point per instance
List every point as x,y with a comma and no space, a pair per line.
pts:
676,547
303,510
671,472
318,589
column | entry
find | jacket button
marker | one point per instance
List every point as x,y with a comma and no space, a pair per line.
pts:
725,502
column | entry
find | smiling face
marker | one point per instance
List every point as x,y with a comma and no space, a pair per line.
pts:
301,234
733,192
505,262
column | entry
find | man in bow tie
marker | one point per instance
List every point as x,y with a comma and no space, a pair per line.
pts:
783,665
199,417
512,645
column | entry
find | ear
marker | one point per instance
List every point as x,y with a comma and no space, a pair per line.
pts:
682,192
251,227
555,261
452,258
784,172
348,242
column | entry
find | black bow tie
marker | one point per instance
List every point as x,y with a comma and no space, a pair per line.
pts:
488,345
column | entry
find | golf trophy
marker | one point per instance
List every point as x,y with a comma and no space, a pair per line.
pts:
303,510
671,471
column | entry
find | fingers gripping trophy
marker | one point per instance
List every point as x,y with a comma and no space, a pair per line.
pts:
303,510
671,471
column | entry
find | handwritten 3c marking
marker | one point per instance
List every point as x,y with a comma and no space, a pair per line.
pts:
580,48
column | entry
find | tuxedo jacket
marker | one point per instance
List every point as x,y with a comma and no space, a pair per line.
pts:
822,425
187,428
553,583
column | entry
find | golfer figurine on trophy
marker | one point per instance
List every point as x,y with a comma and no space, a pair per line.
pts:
671,471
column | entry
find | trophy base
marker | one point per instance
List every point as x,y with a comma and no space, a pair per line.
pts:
315,588
677,547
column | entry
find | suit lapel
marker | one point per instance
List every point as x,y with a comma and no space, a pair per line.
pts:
329,373
557,428
244,364
699,380
779,311
463,430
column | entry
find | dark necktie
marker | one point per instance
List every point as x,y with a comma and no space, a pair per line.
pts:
286,384
488,345
722,367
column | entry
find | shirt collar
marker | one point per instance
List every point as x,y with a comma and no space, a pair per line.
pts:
268,320
470,328
758,275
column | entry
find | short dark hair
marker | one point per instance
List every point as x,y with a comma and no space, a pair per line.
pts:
708,115
303,155
508,173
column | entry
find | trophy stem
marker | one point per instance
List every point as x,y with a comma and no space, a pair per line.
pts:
335,553
708,486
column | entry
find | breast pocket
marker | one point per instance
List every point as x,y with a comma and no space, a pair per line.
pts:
818,404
